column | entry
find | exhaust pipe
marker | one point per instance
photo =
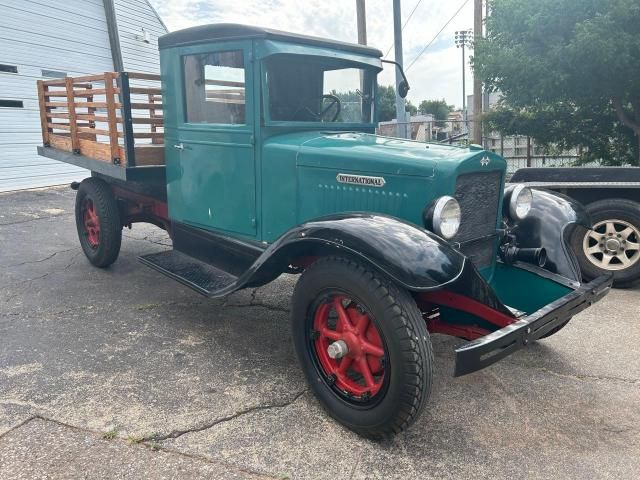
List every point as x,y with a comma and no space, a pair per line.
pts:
536,256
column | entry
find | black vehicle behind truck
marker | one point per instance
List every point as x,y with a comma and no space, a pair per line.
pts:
611,195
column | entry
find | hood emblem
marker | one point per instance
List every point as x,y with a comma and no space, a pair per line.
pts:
361,180
484,161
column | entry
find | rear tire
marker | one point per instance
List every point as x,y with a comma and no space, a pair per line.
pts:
387,380
616,224
98,222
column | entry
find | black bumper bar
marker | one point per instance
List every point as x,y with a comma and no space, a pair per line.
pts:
484,351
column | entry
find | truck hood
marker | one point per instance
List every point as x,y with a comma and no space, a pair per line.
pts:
366,152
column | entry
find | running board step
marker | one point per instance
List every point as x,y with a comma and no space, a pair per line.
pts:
200,276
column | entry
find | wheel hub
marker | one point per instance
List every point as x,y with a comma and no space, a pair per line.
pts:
612,245
348,348
338,349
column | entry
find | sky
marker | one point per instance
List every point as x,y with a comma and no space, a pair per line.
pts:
437,74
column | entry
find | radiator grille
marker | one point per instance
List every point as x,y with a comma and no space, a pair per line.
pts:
478,195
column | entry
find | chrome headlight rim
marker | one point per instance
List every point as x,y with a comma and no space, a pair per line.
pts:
437,217
516,194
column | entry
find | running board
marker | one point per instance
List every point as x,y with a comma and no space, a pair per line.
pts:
202,277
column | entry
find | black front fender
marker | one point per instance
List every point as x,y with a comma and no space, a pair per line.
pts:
550,223
415,258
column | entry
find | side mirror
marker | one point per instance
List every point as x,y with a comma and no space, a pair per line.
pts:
403,86
403,89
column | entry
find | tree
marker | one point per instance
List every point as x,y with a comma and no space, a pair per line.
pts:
438,108
410,107
387,104
567,70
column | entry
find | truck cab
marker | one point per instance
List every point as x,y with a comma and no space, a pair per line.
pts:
271,165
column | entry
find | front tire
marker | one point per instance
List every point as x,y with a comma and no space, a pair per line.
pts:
98,222
613,245
382,380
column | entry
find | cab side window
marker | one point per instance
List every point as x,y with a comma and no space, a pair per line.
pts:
215,88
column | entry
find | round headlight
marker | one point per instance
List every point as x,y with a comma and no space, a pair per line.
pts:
446,217
520,203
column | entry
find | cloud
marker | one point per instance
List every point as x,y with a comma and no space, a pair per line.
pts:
437,73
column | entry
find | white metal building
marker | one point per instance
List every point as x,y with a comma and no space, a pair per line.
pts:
44,39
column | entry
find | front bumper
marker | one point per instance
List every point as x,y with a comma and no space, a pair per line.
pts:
482,352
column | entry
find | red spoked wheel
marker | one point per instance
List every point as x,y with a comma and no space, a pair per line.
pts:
98,222
91,222
363,346
348,348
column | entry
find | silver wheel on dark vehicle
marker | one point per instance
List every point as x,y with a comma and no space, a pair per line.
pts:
612,245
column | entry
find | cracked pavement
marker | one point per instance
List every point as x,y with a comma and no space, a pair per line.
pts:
212,389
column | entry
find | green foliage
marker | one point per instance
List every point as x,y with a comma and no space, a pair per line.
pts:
568,71
438,108
410,107
111,434
386,103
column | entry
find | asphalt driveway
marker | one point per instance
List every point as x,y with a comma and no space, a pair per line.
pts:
186,387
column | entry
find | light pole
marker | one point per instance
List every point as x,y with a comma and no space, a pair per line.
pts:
464,38
401,127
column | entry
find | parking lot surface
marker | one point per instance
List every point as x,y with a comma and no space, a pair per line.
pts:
123,373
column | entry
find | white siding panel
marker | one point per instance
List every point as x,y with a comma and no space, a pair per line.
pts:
69,36
132,16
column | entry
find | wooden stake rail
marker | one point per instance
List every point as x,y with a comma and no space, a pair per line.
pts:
103,116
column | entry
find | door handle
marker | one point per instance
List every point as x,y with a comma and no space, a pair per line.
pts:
179,146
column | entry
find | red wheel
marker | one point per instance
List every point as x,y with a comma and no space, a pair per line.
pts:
349,348
91,222
363,346
98,222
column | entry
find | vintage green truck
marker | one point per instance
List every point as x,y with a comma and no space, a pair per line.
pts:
268,163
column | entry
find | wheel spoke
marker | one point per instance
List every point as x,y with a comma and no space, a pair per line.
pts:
627,232
624,259
594,249
345,363
343,319
606,259
362,323
366,372
595,235
610,227
632,246
372,349
330,334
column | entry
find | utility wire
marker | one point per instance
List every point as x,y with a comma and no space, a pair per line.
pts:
405,24
437,35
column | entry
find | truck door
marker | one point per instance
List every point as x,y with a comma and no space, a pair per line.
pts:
211,180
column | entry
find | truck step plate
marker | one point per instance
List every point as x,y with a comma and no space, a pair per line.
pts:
200,276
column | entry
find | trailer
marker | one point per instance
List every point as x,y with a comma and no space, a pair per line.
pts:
256,151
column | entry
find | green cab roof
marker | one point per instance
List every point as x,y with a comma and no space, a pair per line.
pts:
219,32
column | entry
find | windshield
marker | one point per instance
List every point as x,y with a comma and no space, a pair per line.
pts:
317,89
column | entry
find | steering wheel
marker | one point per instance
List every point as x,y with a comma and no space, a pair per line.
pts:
334,101
319,116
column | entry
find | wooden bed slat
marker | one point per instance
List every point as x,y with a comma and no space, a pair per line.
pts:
80,103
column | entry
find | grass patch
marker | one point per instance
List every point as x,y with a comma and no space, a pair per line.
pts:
133,439
111,434
153,445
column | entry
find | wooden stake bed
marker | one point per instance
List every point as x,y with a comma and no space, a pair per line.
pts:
114,118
